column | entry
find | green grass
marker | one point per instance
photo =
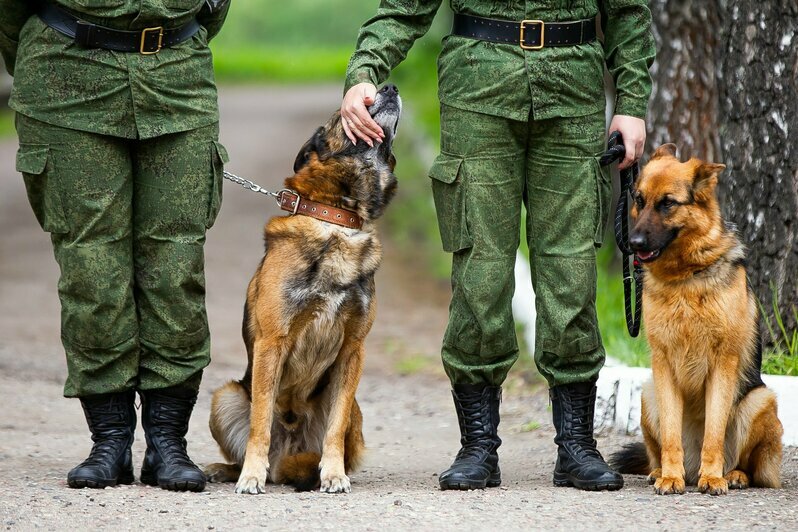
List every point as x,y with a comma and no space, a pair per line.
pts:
413,365
530,426
782,359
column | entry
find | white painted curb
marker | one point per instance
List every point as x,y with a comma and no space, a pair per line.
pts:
618,402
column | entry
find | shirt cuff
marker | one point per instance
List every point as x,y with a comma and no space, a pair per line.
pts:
360,75
631,106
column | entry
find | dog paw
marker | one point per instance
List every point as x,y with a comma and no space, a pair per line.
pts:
221,472
334,481
669,486
654,475
713,485
251,484
737,480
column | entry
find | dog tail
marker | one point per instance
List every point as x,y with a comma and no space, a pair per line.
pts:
229,421
301,471
632,459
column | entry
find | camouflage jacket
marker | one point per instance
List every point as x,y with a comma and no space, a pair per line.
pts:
505,80
113,93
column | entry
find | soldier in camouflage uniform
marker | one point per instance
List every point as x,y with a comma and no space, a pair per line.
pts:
522,121
118,127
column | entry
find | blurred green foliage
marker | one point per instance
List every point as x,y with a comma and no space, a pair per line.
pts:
7,129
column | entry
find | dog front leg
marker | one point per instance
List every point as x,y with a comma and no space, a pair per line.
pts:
719,397
343,384
267,364
670,405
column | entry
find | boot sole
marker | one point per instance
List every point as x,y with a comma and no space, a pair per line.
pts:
173,485
79,483
564,481
465,485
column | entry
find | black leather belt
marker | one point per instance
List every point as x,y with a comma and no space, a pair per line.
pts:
528,34
147,41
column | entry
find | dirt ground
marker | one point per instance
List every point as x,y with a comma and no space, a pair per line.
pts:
410,427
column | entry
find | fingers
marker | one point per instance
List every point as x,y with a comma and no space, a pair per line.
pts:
347,131
361,131
633,131
634,151
356,120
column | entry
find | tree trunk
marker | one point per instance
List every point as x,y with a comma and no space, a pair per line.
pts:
725,91
684,103
757,72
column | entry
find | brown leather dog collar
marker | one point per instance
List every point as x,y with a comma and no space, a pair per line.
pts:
292,202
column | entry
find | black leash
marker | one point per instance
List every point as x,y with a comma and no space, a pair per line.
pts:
616,152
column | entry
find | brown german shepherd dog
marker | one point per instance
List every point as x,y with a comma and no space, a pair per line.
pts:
707,417
293,417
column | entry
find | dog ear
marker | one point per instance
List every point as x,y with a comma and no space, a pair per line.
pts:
314,145
664,151
706,178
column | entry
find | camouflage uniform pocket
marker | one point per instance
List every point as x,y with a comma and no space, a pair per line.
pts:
449,193
41,183
220,158
603,179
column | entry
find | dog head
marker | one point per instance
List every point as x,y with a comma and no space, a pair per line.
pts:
330,169
673,200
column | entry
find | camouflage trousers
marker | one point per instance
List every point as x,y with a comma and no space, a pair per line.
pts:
127,220
488,167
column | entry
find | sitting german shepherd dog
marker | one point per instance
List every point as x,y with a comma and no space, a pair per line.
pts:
293,417
707,417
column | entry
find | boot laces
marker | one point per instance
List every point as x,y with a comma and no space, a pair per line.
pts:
474,427
582,425
109,431
172,427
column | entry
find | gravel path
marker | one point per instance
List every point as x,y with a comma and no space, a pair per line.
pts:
410,427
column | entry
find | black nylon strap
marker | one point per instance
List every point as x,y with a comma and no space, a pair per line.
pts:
147,41
509,32
616,152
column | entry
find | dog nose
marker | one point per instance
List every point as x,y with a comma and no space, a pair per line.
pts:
638,241
390,89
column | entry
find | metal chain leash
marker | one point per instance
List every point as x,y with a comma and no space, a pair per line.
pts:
246,183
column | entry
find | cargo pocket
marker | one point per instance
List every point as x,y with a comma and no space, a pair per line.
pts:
41,184
603,178
220,158
449,193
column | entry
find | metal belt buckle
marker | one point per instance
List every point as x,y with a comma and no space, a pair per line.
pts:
542,34
159,29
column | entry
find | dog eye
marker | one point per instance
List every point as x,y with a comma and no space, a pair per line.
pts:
666,204
640,202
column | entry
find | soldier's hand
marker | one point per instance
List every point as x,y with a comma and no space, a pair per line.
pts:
634,137
357,121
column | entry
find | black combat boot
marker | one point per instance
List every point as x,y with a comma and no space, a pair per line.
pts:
477,464
112,422
579,463
165,415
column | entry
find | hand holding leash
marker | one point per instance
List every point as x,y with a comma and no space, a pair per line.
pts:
617,152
